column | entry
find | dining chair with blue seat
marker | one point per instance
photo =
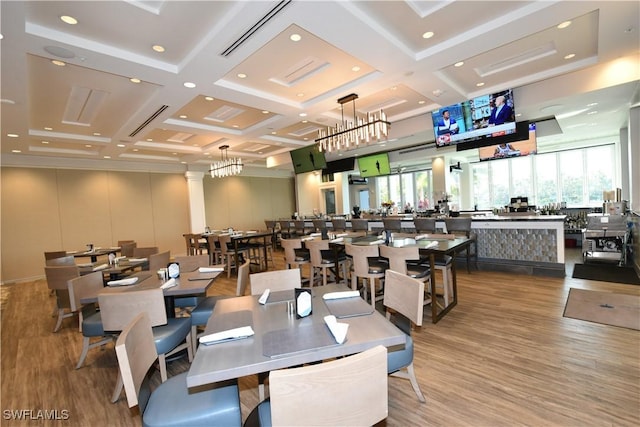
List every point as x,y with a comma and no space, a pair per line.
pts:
367,265
58,277
404,296
202,312
172,403
350,391
171,335
88,286
188,264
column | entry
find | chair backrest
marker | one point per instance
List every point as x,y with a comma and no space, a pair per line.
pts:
392,224
351,391
54,255
270,224
65,260
224,240
339,224
86,286
127,249
359,254
298,226
461,226
398,257
425,225
359,224
285,225
144,252
277,280
243,278
191,263
289,246
159,260
58,275
404,295
136,352
119,308
315,246
319,224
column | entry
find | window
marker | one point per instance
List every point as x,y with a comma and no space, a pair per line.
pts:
600,176
546,179
410,187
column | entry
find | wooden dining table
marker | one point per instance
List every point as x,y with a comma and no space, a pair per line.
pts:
94,253
237,237
115,271
188,284
282,340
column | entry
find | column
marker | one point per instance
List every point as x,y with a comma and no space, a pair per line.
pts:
195,186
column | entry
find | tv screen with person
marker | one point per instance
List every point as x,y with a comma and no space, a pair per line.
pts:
481,117
307,159
511,149
374,165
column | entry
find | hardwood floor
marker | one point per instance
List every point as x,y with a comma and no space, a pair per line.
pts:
504,356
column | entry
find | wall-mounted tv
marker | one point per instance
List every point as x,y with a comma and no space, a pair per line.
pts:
478,118
374,165
523,147
307,159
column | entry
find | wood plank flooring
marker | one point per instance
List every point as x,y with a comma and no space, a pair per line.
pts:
504,356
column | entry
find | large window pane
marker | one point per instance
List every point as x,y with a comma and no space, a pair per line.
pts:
382,183
394,190
572,178
481,188
408,193
546,179
600,176
499,170
521,182
423,190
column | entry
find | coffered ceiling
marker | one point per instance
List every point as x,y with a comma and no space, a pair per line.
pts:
266,75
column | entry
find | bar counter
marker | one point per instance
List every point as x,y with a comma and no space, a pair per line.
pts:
523,244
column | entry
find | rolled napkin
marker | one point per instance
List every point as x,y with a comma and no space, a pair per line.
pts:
210,269
169,284
264,297
228,335
85,264
342,234
251,232
338,240
137,259
338,330
421,236
100,267
123,282
340,295
432,244
377,242
315,234
304,239
119,258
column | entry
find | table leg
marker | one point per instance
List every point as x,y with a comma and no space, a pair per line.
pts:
264,247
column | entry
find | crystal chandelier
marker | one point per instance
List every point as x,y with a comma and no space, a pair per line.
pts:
348,135
226,166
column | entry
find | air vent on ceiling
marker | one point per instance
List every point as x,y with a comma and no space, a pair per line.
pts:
255,27
224,113
149,120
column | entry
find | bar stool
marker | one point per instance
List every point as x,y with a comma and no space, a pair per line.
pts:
367,265
462,226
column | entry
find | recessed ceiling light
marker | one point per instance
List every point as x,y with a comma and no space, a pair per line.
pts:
235,126
107,157
135,150
45,142
68,19
175,154
459,64
265,112
592,104
306,139
355,68
592,112
158,48
48,128
16,151
134,80
305,121
195,145
295,37
564,24
273,133
87,145
300,95
7,101
1,36
422,102
569,56
149,139
480,84
12,135
427,35
96,134
208,98
189,85
183,162
182,116
242,75
58,63
303,114
121,145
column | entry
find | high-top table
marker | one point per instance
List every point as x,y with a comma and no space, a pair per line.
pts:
245,236
272,324
94,253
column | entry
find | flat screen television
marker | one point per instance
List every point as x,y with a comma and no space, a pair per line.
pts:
307,159
374,165
523,147
482,117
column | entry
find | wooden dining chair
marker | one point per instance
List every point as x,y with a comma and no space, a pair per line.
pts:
171,404
462,227
127,248
324,259
367,266
319,225
360,225
228,253
295,256
54,254
351,391
57,278
392,225
64,260
404,304
277,280
172,335
144,252
406,260
339,224
88,286
424,225
158,260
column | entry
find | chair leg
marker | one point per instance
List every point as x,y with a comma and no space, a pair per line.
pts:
411,376
117,391
163,367
190,348
87,345
194,337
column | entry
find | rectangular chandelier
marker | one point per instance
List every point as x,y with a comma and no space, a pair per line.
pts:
349,135
225,166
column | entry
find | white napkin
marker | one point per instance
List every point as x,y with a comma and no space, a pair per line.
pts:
115,247
137,259
342,234
432,244
210,269
377,242
315,234
100,267
304,239
338,329
251,232
340,295
169,284
123,282
421,236
228,335
264,297
338,240
119,258
85,264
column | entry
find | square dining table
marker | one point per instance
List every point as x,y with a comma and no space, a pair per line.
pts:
282,340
